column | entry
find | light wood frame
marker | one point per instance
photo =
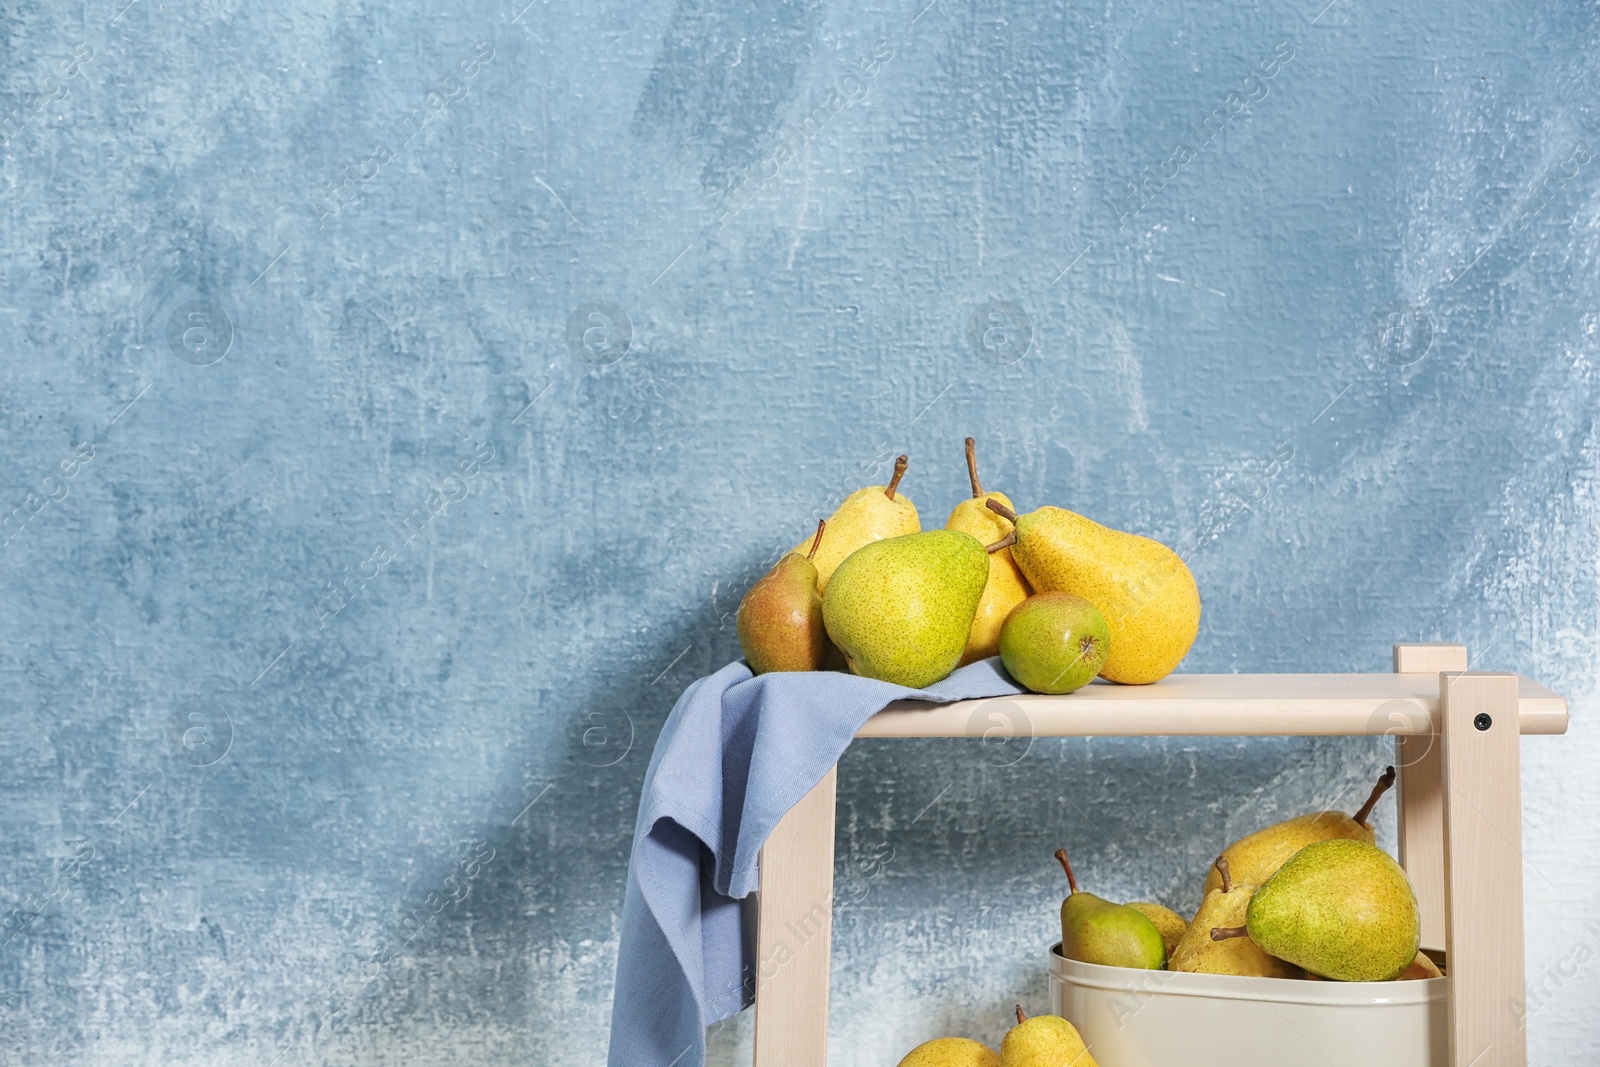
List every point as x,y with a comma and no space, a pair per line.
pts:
1457,737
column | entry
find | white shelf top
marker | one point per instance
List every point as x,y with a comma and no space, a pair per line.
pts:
1211,705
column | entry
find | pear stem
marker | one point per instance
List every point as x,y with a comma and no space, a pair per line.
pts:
822,524
1005,542
1384,782
1000,510
1227,876
900,465
1021,1018
972,467
1072,879
1226,933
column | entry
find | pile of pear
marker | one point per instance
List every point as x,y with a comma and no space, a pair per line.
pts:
1059,598
1309,898
1039,1041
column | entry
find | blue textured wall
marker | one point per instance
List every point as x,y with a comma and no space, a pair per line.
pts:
398,400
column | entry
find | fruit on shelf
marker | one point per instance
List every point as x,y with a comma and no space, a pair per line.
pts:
1421,967
1341,909
780,618
1168,923
951,1052
866,515
1006,587
1054,642
900,609
1094,930
1199,953
1044,1041
1142,587
1255,857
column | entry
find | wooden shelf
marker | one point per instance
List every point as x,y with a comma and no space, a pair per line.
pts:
1457,752
1214,705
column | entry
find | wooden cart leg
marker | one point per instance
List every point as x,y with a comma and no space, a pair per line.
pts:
1480,728
1420,760
794,934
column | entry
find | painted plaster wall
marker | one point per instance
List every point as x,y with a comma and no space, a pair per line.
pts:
399,397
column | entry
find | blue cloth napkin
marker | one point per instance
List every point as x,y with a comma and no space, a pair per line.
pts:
736,753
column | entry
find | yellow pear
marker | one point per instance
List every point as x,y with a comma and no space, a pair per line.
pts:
1168,923
951,1052
1421,967
1225,907
1144,590
865,516
1257,857
1007,587
1044,1041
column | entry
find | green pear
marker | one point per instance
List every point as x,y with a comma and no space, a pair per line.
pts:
1340,909
1168,923
1094,930
780,618
1054,642
900,609
1044,1041
1199,953
1256,857
951,1052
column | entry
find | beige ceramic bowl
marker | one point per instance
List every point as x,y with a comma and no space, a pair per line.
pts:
1134,1018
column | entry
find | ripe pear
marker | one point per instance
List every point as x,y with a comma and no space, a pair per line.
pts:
1422,967
1199,953
1254,858
1094,930
780,618
1044,1041
951,1052
1168,923
900,609
1341,909
1007,587
1144,590
866,515
1054,642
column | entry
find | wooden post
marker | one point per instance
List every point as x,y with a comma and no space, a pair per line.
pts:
1480,730
1420,761
794,934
